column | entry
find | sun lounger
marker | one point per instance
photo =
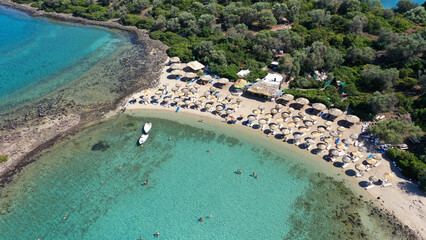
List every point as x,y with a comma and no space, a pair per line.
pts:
369,186
377,164
355,160
345,165
387,184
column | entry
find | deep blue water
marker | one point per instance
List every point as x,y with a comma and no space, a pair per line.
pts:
38,55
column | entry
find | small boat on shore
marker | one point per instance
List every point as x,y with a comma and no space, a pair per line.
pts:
143,139
147,127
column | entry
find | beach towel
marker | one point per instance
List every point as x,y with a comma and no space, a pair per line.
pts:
321,114
177,78
371,155
216,93
166,93
211,81
337,141
177,109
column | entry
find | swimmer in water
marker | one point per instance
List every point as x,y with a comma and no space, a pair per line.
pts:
210,215
170,138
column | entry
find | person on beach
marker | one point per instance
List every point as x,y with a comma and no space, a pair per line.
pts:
202,119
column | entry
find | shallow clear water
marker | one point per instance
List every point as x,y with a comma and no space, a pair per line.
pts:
39,56
288,200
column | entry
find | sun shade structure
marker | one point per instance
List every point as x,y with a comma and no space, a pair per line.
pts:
388,176
177,72
354,136
352,119
174,60
346,159
360,167
321,146
190,75
176,66
335,112
240,84
287,97
319,106
263,88
373,179
195,66
334,152
223,81
302,101
371,161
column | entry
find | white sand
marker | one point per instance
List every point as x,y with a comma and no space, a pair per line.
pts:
402,198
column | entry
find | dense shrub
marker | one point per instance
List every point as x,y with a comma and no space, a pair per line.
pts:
411,166
4,158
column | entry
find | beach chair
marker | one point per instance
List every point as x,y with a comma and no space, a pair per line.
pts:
355,160
345,165
386,184
369,186
377,164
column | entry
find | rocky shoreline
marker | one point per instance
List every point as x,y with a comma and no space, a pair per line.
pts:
26,131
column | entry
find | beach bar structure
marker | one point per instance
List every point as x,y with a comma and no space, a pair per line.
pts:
264,89
194,66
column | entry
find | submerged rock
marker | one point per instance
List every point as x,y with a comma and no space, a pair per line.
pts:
100,146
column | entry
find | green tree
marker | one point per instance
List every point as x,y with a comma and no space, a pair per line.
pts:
383,102
266,18
417,14
208,54
374,78
206,20
173,25
359,56
319,17
288,40
358,24
395,131
280,11
294,8
405,5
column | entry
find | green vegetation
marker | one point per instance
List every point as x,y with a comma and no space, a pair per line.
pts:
412,167
394,131
4,158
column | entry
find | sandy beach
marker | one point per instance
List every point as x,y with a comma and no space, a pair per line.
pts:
400,197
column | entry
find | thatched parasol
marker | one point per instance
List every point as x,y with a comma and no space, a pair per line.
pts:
251,118
356,153
346,159
319,106
274,111
176,100
322,146
352,119
184,90
256,111
308,123
328,140
285,131
177,72
302,101
341,129
302,114
297,119
225,102
219,107
373,179
334,152
285,115
175,66
377,157
297,136
341,146
240,84
371,161
174,60
335,112
279,107
388,176
360,167
205,78
262,121
190,75
347,141
287,97
303,129
175,89
213,89
314,118
268,115
321,129
292,124
315,134
273,126
223,81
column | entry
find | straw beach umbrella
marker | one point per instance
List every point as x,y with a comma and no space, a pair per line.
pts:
319,106
261,108
328,140
328,123
335,112
177,72
360,167
315,134
352,119
334,133
302,101
314,118
321,129
373,179
362,149
321,146
285,131
287,97
377,157
285,115
388,176
205,78
279,107
347,141
356,153
223,81
274,111
190,75
341,129
292,124
179,66
371,161
334,152
346,159
174,60
219,108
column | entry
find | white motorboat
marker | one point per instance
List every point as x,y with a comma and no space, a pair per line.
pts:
143,139
147,127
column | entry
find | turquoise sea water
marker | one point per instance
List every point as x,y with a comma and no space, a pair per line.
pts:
38,55
392,3
95,180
